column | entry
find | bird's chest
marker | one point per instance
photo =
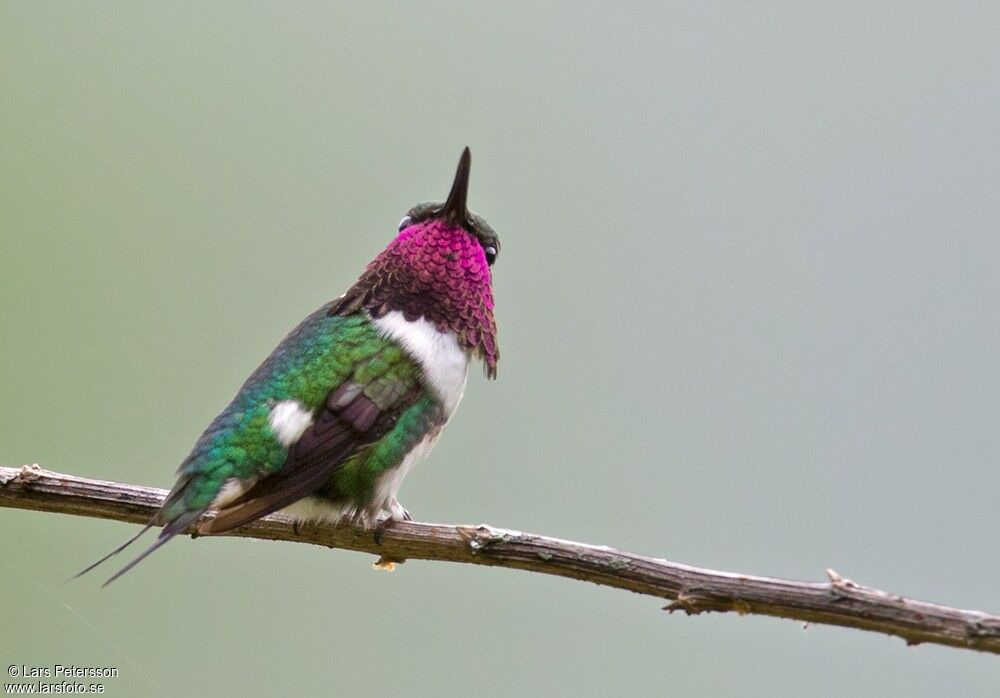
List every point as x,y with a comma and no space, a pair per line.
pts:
444,364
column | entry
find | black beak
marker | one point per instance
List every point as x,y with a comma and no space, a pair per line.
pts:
455,208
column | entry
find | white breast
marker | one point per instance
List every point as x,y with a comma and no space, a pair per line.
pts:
444,362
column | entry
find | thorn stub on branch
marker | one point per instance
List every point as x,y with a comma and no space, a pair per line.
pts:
691,604
29,473
842,587
836,580
480,537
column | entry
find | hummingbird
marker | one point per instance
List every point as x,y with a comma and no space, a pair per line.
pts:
332,421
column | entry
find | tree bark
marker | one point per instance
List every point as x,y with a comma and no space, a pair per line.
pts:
838,601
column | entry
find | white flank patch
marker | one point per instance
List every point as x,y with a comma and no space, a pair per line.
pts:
231,489
289,420
445,363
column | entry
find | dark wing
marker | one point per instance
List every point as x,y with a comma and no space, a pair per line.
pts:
354,416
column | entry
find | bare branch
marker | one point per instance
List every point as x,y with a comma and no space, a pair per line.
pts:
690,589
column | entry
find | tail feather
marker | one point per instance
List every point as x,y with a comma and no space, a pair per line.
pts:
169,531
177,525
114,552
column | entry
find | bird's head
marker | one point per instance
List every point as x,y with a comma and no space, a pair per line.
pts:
438,268
422,223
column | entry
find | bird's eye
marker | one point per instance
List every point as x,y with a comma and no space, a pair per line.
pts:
405,223
491,254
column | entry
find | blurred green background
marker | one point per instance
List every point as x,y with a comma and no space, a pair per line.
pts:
748,309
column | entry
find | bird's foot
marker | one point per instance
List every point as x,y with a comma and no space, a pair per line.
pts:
396,514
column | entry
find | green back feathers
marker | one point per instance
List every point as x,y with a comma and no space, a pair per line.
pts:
369,411
316,357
